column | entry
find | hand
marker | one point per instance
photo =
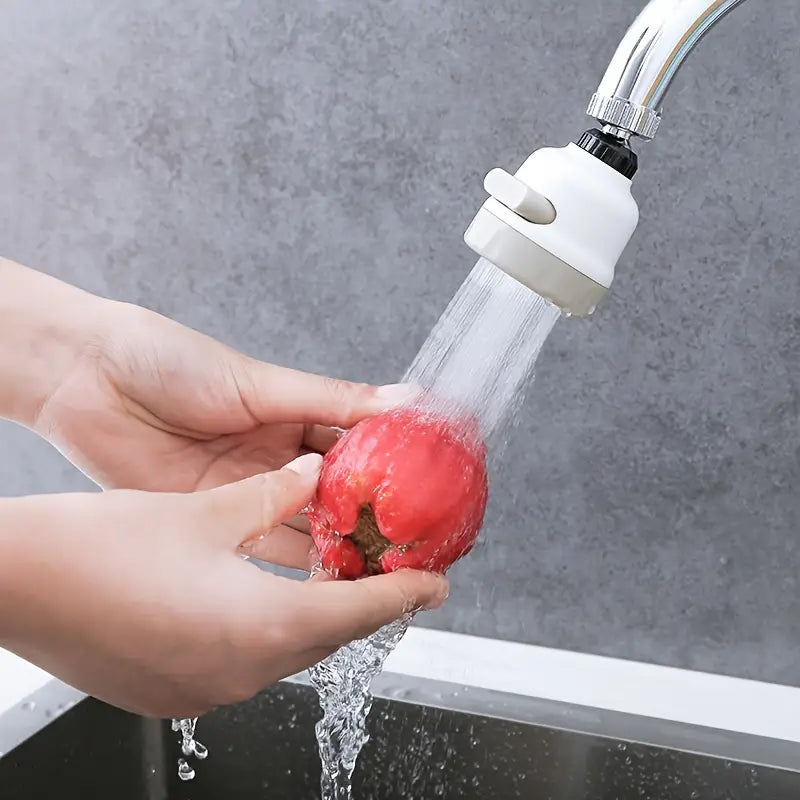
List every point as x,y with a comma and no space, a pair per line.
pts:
144,601
138,401
154,405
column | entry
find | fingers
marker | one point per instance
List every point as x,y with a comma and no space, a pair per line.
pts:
277,394
349,610
299,522
239,512
320,438
284,547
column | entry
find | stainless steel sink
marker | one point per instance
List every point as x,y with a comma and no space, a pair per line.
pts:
428,740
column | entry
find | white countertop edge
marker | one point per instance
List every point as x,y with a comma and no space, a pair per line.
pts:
648,690
629,687
18,679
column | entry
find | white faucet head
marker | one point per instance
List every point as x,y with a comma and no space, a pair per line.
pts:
560,224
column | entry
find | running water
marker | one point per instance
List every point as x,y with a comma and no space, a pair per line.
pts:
189,747
480,354
343,684
477,359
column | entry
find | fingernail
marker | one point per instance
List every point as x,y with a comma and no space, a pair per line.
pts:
441,595
395,394
308,466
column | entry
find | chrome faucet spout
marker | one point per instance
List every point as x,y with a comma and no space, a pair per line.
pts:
628,100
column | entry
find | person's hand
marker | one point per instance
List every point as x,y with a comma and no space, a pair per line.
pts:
138,401
155,405
144,600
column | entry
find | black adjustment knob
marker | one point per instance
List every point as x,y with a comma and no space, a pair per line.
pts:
610,150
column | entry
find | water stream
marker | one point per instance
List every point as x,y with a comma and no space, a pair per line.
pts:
343,682
478,358
189,747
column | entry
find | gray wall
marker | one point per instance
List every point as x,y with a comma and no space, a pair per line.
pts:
295,179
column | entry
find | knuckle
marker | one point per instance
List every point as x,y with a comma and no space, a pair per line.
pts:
369,613
391,588
404,602
258,634
348,398
264,486
262,499
281,634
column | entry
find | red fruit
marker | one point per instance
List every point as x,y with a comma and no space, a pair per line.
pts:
404,489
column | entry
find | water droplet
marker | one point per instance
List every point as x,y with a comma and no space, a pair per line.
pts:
185,771
200,751
29,705
189,745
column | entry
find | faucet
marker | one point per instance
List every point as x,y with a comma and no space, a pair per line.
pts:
560,224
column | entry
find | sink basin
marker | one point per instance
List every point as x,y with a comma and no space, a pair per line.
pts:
429,739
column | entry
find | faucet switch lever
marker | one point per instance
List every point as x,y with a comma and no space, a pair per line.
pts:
519,197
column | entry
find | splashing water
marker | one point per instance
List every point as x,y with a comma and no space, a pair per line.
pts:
477,359
343,683
185,770
189,746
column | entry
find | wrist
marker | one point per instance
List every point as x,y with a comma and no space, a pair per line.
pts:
15,564
39,553
46,326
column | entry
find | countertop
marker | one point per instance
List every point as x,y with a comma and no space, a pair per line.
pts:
18,679
645,690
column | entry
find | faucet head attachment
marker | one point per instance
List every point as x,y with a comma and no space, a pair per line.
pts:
560,224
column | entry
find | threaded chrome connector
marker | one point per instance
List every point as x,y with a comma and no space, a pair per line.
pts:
624,114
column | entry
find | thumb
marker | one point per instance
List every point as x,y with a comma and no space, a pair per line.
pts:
349,610
241,511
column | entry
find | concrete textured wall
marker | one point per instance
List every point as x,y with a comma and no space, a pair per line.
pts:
295,179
